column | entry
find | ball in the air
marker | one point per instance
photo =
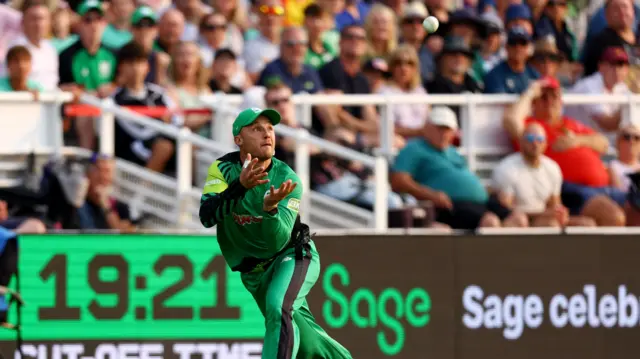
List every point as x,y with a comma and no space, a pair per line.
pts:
431,24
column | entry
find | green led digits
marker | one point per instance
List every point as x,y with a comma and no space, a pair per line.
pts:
384,311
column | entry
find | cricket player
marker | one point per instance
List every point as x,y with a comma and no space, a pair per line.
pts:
254,199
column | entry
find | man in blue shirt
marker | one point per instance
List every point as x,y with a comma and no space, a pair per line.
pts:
513,75
290,68
431,169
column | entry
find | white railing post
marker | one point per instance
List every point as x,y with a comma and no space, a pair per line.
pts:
381,205
184,175
467,131
302,167
387,132
107,128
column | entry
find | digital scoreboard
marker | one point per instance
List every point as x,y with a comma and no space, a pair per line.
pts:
131,287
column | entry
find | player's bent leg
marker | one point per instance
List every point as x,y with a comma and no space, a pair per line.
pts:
315,343
290,283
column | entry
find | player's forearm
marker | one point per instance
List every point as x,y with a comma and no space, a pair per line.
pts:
213,209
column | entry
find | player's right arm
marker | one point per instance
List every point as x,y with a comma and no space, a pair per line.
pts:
219,196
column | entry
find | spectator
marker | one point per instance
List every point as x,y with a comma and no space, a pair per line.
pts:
465,24
546,59
382,32
537,8
224,65
36,24
620,32
518,16
346,180
554,23
343,76
575,147
377,72
236,15
355,11
61,29
453,75
266,47
397,6
408,119
9,27
100,210
414,34
320,51
431,169
491,52
531,182
88,66
214,35
613,69
18,69
117,33
628,160
513,75
189,79
135,143
144,27
170,29
21,225
294,11
193,11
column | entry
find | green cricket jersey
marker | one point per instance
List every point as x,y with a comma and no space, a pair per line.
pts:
77,65
244,229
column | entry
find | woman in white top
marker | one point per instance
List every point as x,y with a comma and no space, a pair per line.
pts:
628,161
405,79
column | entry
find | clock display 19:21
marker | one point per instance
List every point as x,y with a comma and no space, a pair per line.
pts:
57,269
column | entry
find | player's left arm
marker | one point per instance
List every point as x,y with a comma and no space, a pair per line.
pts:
278,223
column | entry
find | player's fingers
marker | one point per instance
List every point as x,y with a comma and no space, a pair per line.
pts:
262,181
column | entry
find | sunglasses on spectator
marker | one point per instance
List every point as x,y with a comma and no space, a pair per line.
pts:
531,138
272,10
144,24
277,101
518,43
349,36
630,137
400,62
212,27
413,21
618,63
91,19
292,43
557,3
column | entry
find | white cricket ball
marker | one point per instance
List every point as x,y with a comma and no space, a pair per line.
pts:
431,24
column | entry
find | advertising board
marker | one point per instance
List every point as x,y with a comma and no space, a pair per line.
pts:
414,297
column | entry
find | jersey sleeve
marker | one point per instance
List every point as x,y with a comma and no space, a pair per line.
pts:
219,195
281,223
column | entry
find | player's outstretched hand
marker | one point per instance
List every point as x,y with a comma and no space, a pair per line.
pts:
276,195
251,174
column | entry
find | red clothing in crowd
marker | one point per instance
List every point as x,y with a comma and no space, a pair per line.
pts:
580,165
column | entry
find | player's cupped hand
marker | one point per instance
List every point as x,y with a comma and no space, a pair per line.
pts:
276,195
252,175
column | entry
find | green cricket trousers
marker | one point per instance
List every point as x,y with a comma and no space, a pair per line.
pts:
280,291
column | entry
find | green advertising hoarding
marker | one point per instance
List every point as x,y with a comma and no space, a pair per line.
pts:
131,287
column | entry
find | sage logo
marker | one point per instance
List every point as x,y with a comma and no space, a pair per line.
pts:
387,310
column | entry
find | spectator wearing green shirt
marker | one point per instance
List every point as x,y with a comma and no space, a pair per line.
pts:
320,51
18,69
117,33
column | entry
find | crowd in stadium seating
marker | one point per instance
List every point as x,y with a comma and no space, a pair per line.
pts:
169,53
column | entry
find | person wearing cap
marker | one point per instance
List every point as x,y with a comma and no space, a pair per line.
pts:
117,33
613,69
144,28
376,71
225,65
554,23
575,147
513,75
491,52
412,32
88,66
254,200
628,157
547,59
430,169
453,69
465,23
518,15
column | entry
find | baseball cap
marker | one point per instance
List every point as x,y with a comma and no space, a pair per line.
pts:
143,12
516,34
614,54
90,5
443,116
517,11
550,83
376,64
415,10
250,115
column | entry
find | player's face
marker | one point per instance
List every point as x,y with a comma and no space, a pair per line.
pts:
258,139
